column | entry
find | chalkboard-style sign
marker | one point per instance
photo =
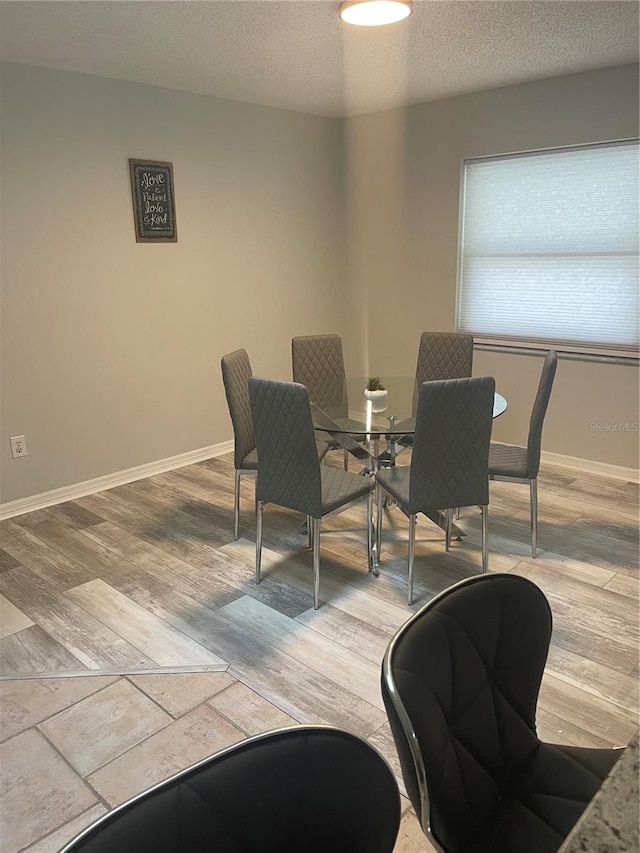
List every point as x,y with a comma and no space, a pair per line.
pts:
154,208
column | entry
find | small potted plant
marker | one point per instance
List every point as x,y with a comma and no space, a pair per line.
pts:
375,391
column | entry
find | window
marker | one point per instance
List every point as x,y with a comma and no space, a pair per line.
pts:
549,249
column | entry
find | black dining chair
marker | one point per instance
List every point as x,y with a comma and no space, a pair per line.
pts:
449,462
306,788
515,464
290,474
460,683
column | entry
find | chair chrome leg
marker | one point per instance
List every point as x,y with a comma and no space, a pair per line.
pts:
371,537
379,503
533,497
310,531
448,515
346,459
236,507
316,562
259,509
485,538
412,554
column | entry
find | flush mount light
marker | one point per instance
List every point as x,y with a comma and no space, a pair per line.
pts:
374,13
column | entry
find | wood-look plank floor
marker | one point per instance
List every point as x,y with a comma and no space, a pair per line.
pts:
147,576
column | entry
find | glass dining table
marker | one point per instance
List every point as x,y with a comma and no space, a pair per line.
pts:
373,428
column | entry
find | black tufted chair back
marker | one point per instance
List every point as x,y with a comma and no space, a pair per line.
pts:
310,788
460,683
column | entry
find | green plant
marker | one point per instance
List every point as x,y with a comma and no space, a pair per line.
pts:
374,383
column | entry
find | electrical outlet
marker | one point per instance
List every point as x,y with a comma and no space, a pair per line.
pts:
18,446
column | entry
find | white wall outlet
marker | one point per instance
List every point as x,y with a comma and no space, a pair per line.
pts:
18,446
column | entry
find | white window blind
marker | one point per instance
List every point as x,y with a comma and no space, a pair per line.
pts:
549,249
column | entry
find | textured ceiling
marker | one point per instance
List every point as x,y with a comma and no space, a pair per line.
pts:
297,54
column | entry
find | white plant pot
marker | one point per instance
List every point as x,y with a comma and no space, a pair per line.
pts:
378,399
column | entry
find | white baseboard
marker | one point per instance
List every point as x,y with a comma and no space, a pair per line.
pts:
119,478
589,466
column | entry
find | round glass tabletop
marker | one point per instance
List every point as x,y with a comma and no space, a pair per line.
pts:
343,406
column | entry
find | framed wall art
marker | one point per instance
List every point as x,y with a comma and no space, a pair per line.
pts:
154,209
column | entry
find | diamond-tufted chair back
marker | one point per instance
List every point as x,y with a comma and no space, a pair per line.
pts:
450,460
316,789
289,471
318,363
460,683
236,370
444,355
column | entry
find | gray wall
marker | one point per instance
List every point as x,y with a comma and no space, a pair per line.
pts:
403,177
111,349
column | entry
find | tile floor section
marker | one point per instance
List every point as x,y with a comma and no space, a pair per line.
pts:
71,748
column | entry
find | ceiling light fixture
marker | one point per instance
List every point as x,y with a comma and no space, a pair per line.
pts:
375,13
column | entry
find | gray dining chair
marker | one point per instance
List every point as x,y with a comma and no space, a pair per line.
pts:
441,355
236,370
317,362
290,473
516,464
444,355
450,461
